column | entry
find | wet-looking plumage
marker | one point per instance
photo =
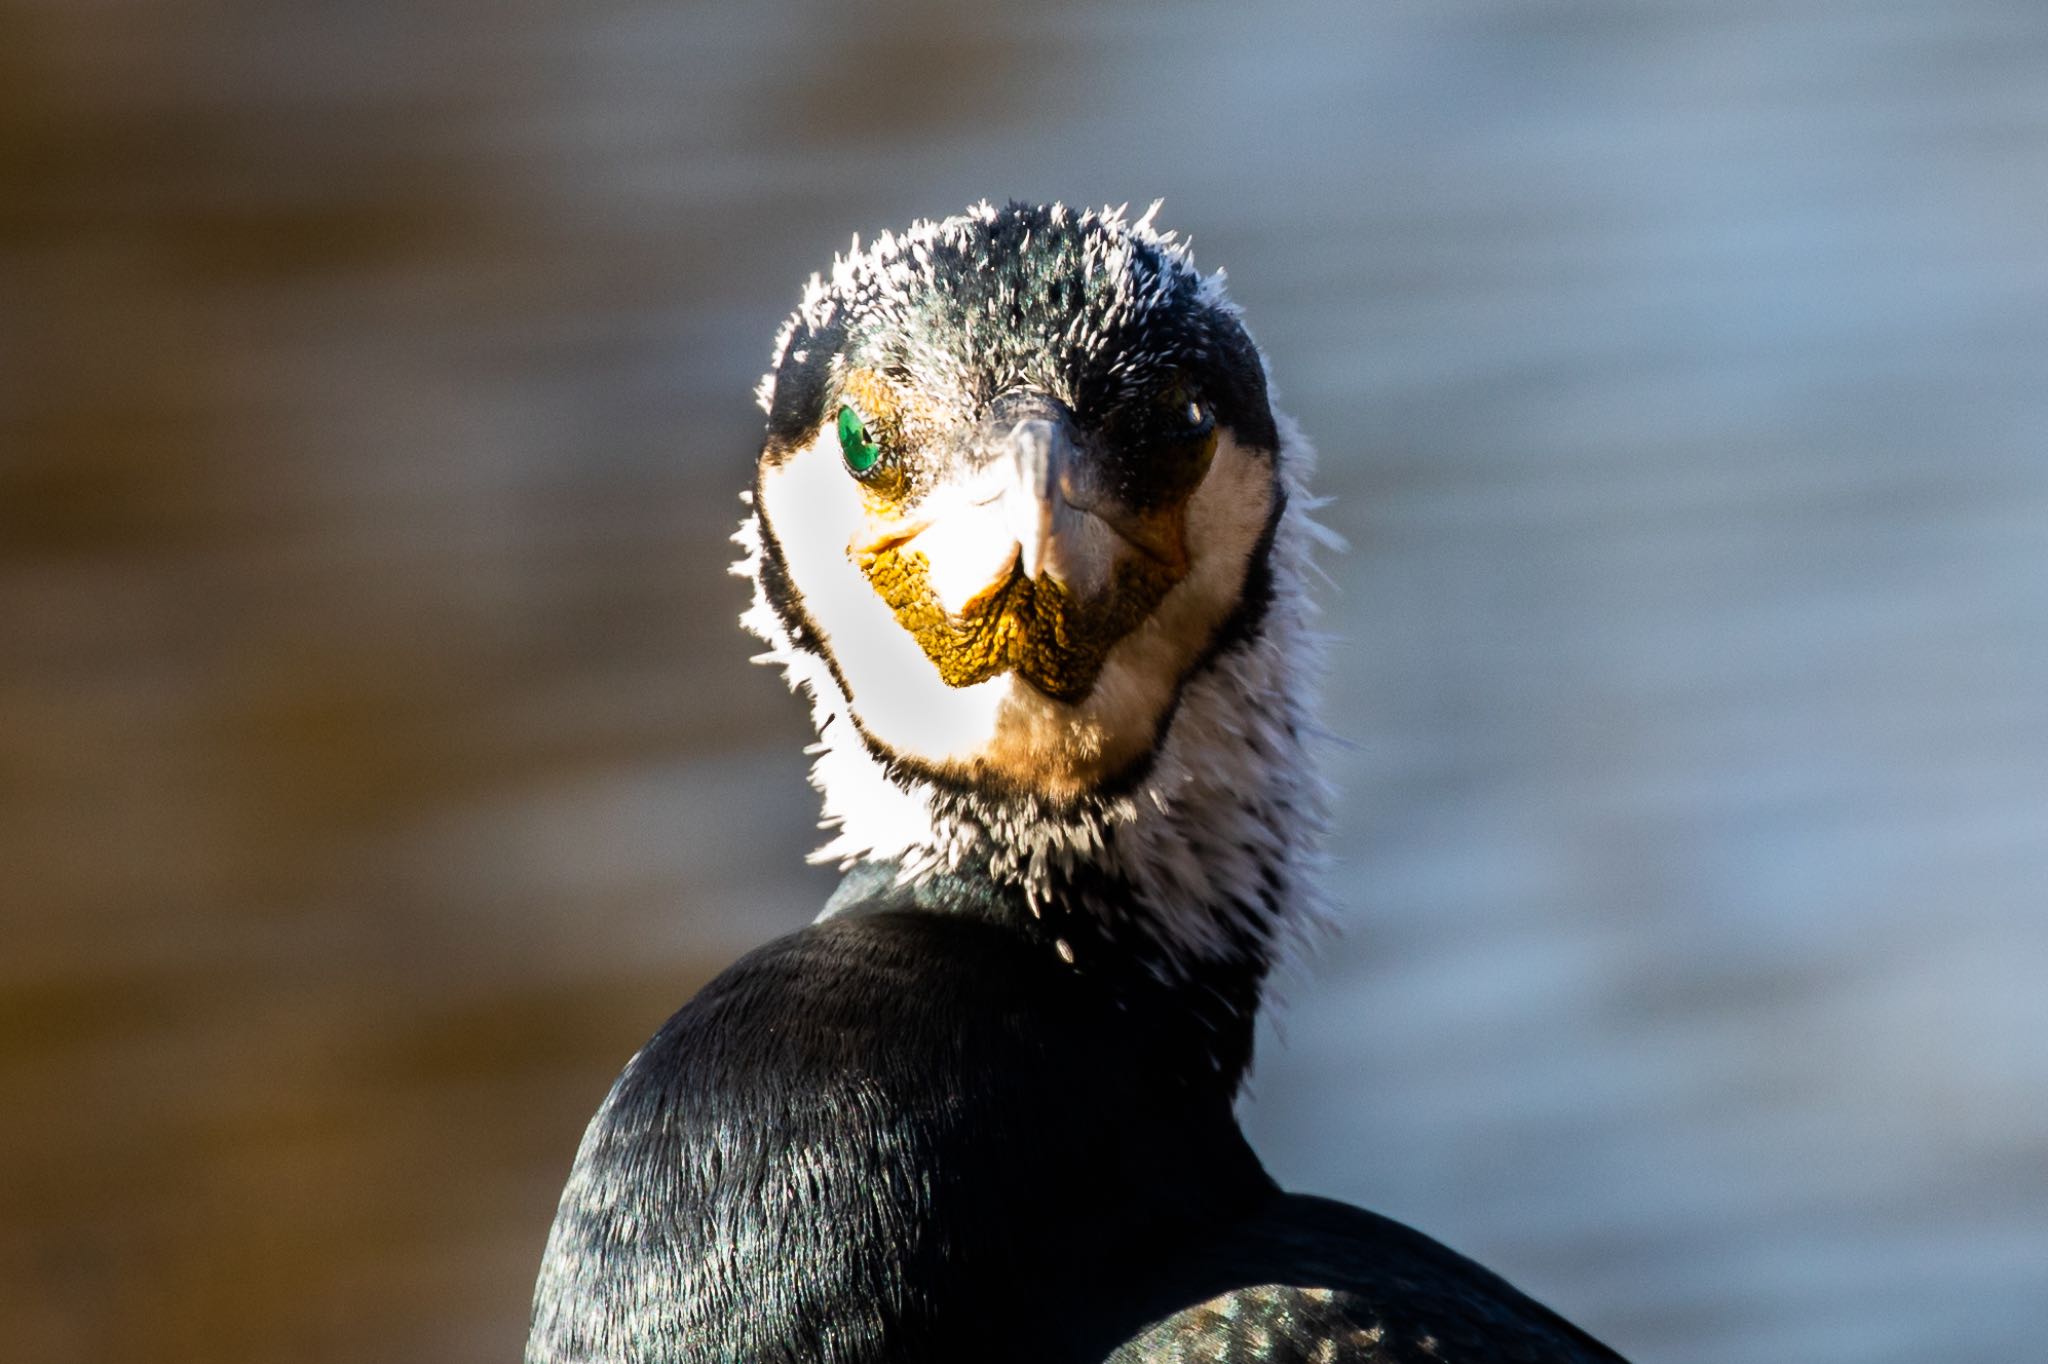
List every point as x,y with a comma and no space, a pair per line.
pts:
1027,532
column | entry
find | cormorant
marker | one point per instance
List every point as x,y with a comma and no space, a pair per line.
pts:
1028,532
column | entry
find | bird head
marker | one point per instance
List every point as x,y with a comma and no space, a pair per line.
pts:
1028,531
1019,468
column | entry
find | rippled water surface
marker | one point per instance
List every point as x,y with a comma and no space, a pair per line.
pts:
379,762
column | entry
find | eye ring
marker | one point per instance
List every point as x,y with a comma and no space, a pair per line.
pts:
856,446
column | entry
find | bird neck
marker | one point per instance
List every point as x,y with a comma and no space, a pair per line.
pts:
1195,1021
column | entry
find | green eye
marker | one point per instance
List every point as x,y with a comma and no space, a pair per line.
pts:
861,453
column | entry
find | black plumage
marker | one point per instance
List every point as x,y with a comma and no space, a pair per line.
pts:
910,1133
983,1108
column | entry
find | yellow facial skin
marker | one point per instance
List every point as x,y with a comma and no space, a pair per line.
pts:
1033,626
1053,624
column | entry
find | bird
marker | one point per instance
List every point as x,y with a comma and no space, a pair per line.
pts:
1027,532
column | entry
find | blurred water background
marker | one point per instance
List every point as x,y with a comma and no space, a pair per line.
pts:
379,761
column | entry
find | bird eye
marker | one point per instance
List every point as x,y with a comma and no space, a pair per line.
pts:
860,451
1181,406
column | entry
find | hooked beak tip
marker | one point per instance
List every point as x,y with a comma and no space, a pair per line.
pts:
1034,539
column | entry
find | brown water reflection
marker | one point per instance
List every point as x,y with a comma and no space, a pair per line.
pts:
379,762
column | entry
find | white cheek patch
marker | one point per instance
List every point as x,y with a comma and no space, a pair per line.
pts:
966,548
1005,726
813,508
